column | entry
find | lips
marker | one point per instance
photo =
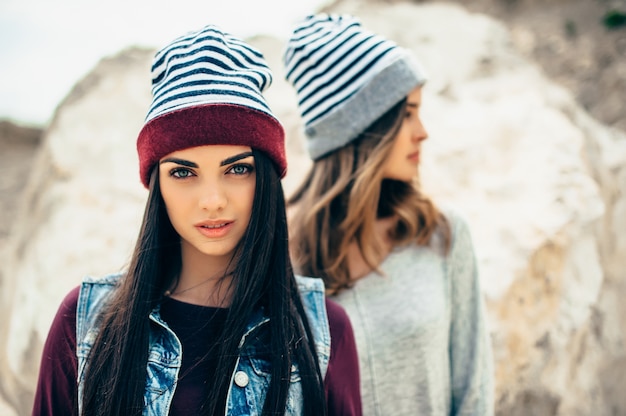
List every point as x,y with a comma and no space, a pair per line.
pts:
414,157
214,226
215,229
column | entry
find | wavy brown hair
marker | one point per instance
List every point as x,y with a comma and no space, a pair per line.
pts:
343,195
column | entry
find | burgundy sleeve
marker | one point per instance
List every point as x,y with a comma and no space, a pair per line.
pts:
342,382
56,388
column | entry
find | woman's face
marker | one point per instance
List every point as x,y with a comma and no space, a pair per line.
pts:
208,192
405,152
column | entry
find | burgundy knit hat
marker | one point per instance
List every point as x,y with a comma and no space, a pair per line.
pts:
207,89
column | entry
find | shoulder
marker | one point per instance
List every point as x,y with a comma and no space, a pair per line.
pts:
64,323
459,227
106,280
94,288
94,295
338,319
309,284
461,261
312,295
455,217
67,310
71,299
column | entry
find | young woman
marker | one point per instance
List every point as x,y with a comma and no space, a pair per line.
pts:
403,269
209,318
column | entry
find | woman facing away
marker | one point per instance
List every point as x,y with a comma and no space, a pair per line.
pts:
404,270
209,318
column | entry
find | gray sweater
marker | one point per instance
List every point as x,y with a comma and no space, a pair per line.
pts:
423,344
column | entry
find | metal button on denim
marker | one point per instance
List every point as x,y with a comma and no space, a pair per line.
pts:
241,379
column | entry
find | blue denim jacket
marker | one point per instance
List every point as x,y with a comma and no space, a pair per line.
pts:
250,379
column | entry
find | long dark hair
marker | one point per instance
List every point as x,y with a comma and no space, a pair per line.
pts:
115,376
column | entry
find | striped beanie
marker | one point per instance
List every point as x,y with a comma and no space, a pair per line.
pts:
345,78
207,89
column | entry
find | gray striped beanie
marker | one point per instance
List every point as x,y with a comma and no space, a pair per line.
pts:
207,89
345,78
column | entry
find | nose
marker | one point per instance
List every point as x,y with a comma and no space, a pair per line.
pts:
419,132
212,197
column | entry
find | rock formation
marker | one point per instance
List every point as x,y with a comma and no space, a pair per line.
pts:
542,184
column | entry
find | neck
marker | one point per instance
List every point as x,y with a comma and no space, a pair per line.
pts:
203,280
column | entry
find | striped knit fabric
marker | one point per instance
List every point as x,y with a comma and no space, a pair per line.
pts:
345,77
208,67
207,89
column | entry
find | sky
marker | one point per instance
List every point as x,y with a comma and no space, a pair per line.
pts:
47,46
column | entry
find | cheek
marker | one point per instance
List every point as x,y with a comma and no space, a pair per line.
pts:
174,203
245,196
166,192
396,150
171,210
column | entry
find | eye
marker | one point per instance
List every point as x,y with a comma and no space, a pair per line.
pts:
412,110
181,173
240,169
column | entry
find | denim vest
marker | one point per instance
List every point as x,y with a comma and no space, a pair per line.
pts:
251,377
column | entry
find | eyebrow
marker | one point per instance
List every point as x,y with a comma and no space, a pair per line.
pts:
179,161
235,158
413,105
190,164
